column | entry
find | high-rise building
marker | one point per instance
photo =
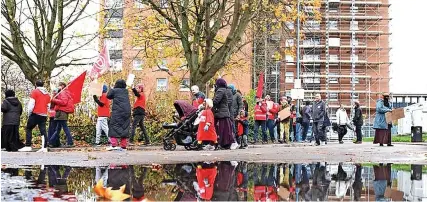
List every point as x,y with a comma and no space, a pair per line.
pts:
344,56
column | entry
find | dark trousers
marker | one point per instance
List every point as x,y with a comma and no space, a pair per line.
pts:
33,121
319,132
139,119
51,130
62,124
270,126
305,126
359,133
257,124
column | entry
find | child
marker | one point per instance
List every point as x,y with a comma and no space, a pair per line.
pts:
242,129
103,115
206,130
120,116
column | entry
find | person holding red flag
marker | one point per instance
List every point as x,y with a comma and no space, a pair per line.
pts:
37,110
64,105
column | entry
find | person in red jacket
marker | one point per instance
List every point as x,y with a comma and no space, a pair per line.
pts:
260,120
271,118
52,123
64,105
206,174
206,131
103,114
37,110
139,114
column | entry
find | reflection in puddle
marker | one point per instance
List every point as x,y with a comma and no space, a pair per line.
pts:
217,181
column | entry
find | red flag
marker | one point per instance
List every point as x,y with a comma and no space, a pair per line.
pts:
260,85
76,86
101,65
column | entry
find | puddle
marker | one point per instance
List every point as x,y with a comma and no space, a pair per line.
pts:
217,181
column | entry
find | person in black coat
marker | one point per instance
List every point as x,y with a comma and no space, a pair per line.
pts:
120,116
12,110
223,123
358,122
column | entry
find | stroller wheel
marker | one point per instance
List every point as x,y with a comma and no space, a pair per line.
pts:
167,146
187,147
172,147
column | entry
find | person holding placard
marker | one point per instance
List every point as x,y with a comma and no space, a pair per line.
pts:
380,124
103,114
139,114
284,122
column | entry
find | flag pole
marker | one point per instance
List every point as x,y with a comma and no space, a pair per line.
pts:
62,90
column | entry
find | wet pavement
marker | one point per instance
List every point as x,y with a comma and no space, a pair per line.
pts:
217,181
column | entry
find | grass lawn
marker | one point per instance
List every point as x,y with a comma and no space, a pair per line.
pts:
396,138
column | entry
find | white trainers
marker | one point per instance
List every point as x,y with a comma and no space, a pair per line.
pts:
25,149
42,150
234,146
322,143
111,148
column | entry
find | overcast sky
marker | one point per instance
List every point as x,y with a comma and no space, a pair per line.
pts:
409,46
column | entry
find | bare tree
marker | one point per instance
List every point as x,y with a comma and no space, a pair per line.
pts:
12,78
38,37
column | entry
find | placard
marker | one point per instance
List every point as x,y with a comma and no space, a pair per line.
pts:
297,94
130,79
398,113
95,88
297,83
389,117
396,195
285,113
270,104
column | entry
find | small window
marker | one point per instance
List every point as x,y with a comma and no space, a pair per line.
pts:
333,25
312,24
162,84
289,77
138,4
354,25
114,23
113,3
137,64
114,43
356,80
333,7
399,99
333,58
354,57
333,78
355,95
333,96
185,85
116,65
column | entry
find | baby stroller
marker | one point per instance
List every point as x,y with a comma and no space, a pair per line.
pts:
184,131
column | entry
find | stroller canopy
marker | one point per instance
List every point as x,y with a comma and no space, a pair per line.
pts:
184,108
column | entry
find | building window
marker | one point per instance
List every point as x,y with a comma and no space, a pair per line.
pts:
312,24
354,25
289,43
162,84
355,95
333,58
312,41
116,65
113,3
114,43
333,25
399,99
138,4
311,77
333,96
114,23
289,77
311,57
356,80
137,64
354,57
288,93
185,85
334,78
333,7
354,9
334,42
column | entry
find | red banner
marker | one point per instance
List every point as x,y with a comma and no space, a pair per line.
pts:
260,85
76,87
101,65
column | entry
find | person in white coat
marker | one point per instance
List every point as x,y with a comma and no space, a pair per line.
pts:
342,120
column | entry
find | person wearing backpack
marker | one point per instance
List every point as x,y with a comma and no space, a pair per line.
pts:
64,105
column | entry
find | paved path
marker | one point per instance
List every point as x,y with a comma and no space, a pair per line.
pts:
332,153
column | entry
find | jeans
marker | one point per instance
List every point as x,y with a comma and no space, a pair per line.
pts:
270,126
52,128
62,124
319,132
359,133
139,119
33,121
257,124
305,126
101,125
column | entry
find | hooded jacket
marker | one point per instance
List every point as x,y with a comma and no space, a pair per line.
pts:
237,104
140,103
39,101
220,100
64,102
380,122
12,110
121,110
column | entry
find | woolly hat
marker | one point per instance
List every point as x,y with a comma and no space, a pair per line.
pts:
104,88
209,103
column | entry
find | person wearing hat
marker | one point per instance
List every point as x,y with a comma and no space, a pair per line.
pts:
358,121
206,131
12,110
103,114
382,130
199,97
139,114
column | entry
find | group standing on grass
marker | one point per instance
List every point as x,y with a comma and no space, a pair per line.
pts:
223,122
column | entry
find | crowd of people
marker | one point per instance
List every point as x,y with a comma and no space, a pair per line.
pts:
223,121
